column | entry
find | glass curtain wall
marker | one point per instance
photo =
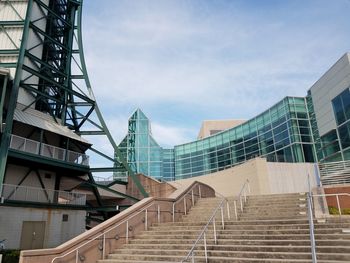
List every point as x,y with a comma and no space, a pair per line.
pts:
143,153
281,133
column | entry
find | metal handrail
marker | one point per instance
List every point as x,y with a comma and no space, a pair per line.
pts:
311,222
212,219
337,197
103,234
126,220
184,199
47,150
202,233
312,229
30,193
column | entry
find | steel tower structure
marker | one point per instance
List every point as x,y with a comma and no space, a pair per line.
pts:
47,106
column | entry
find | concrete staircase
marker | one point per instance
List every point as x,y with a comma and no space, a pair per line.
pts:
271,228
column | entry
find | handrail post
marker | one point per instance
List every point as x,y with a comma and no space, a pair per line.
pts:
76,256
240,199
127,232
173,212
228,209
146,215
199,190
192,198
104,246
222,217
158,214
214,230
235,205
338,204
185,208
312,235
205,248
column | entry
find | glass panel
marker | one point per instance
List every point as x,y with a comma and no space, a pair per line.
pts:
338,110
344,134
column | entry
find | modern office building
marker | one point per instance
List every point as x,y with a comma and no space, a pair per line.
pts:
315,128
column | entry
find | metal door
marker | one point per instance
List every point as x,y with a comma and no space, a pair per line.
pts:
33,233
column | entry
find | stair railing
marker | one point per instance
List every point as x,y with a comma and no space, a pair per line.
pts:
242,197
203,235
103,236
184,200
311,223
337,199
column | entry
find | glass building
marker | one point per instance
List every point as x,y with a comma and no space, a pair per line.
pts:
143,153
315,128
281,133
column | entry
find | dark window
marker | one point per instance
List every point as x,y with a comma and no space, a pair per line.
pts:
338,110
65,218
308,153
344,135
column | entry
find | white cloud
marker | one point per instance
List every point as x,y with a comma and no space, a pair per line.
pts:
168,136
206,57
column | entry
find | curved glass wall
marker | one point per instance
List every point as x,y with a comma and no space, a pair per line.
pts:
281,133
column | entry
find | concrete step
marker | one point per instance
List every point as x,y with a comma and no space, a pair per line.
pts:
289,231
252,236
271,228
224,260
261,248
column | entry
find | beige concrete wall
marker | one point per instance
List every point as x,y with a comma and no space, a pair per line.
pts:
152,187
229,181
220,125
264,178
291,177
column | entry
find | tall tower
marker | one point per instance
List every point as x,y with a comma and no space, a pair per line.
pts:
48,109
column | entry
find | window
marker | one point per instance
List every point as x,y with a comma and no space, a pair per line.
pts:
341,107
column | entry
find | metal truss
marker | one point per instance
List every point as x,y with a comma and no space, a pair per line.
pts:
51,69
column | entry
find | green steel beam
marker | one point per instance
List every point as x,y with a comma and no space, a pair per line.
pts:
8,64
102,169
92,132
47,161
102,154
2,99
9,52
24,203
5,138
56,91
92,183
30,70
12,23
98,112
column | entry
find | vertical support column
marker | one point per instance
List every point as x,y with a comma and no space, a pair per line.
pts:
158,211
5,139
127,232
146,219
192,198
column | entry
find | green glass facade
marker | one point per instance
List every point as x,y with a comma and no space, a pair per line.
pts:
281,133
143,153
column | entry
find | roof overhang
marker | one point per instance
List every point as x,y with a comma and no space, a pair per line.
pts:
44,121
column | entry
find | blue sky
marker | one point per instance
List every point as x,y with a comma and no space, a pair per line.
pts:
184,61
